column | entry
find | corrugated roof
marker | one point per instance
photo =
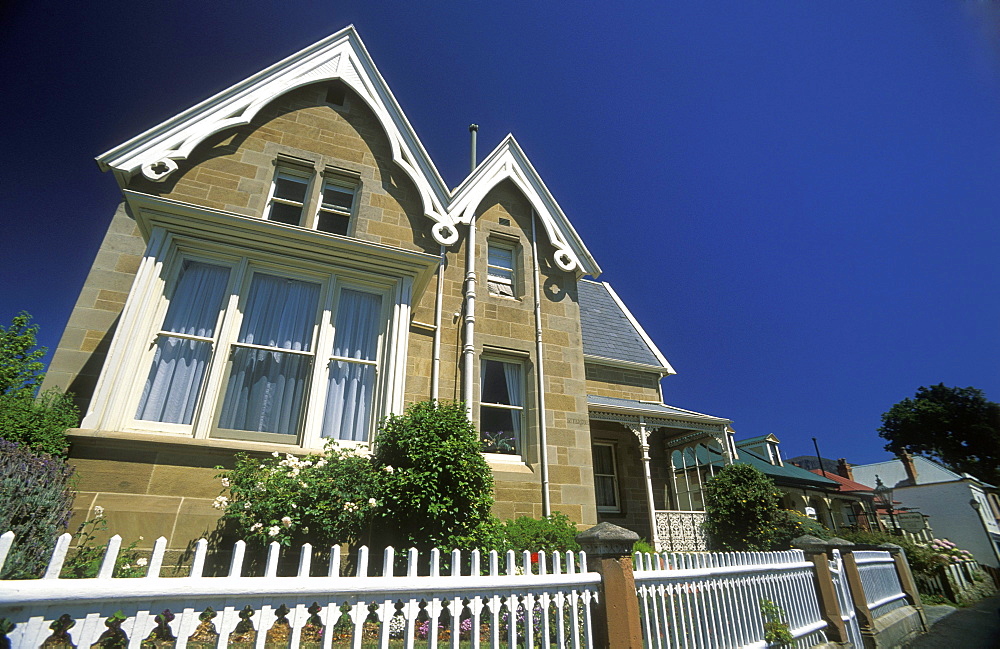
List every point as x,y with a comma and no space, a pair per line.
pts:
785,474
659,409
609,331
846,484
892,472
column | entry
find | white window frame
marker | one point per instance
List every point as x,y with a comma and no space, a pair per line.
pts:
290,171
207,412
616,508
348,187
501,280
503,406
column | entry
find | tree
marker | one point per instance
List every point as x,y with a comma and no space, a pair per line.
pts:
957,426
41,423
20,359
742,510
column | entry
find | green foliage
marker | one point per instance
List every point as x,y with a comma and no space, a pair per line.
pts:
436,487
791,524
39,423
20,359
327,498
554,533
85,560
742,508
957,426
35,504
643,546
36,423
776,627
920,556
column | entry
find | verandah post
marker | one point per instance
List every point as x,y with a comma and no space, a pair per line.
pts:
616,613
818,553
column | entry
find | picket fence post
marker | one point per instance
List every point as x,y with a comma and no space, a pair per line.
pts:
906,579
819,553
616,614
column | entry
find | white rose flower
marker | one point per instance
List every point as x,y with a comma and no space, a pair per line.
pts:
220,502
372,502
141,562
98,511
275,454
273,530
225,482
256,526
286,521
388,469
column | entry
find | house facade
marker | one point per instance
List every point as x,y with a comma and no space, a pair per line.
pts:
287,267
960,507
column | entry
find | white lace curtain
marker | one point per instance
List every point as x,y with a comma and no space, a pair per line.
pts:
174,381
267,387
351,386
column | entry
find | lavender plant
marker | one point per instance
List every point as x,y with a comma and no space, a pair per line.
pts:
35,504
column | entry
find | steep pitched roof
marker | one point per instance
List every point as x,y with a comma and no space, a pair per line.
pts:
751,441
508,162
611,333
156,152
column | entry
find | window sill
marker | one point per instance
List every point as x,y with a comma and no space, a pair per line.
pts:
507,463
186,441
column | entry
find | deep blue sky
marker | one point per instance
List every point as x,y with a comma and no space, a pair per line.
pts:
798,200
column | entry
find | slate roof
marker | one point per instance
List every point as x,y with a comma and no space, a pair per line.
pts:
610,331
659,409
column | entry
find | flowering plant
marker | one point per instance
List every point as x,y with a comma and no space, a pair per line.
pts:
947,552
328,497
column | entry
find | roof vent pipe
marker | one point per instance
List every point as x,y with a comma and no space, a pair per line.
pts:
473,129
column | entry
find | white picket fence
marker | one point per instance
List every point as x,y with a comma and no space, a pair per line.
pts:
714,599
883,591
844,601
524,602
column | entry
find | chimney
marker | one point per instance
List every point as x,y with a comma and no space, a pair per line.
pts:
911,470
844,469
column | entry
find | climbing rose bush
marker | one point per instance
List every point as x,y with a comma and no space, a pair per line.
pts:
328,498
742,510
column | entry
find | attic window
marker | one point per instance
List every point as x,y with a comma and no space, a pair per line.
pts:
500,269
288,195
336,94
335,207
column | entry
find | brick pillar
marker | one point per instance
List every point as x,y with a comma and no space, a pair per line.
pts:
616,613
906,579
818,553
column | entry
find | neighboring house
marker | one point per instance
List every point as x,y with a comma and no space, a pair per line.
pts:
961,507
287,266
859,509
826,498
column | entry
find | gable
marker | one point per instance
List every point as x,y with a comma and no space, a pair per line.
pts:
342,56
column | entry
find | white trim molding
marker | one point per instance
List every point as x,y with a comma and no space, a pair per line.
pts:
508,162
342,56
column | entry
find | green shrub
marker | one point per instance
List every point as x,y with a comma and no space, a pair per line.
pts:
436,487
643,546
39,424
921,558
791,524
20,358
741,504
329,499
554,533
35,504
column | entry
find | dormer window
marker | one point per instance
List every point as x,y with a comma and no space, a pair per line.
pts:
500,268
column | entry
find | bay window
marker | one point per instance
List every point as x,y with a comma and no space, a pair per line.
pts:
273,360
